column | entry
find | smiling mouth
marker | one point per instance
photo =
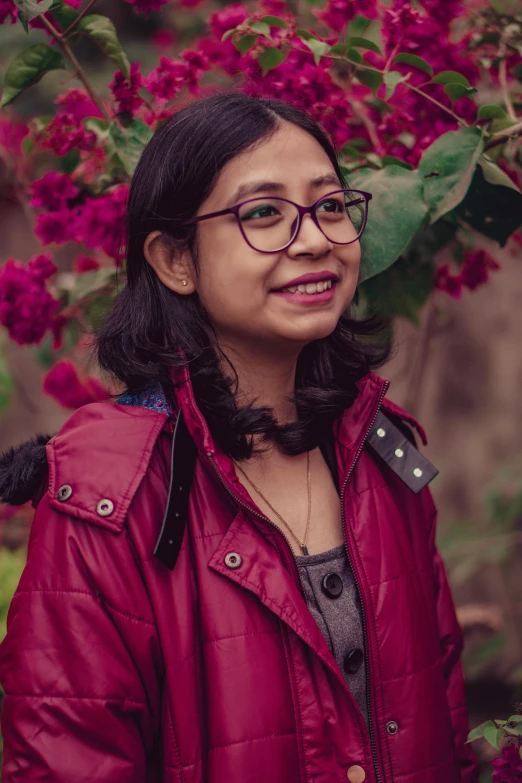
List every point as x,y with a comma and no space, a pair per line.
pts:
308,288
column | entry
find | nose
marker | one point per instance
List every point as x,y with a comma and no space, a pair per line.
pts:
310,240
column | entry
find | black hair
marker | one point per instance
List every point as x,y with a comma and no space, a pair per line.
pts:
148,323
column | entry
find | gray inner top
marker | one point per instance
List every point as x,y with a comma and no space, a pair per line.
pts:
339,619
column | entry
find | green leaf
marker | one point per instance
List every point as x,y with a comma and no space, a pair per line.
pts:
274,21
412,59
451,77
245,43
27,68
363,43
69,161
63,14
494,210
447,167
391,160
371,79
261,28
493,735
391,80
400,291
305,35
358,25
491,111
478,732
271,58
97,126
125,145
30,9
455,90
317,47
353,55
89,283
102,30
494,174
515,719
396,212
228,34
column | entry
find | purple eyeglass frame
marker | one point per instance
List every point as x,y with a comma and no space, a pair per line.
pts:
302,211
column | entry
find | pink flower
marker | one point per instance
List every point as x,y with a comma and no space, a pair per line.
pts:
85,264
99,222
146,6
231,16
63,384
450,284
53,191
64,134
77,104
163,38
12,131
338,13
476,269
8,9
167,79
190,3
508,768
54,226
125,90
27,309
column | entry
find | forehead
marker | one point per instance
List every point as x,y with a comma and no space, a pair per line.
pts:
290,156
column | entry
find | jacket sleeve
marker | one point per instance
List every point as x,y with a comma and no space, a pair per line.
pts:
79,664
451,642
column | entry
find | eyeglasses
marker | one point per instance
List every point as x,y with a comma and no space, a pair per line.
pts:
272,224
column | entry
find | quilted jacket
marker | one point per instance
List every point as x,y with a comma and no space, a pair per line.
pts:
154,646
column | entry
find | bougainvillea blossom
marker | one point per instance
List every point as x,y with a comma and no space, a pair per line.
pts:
27,309
64,385
53,191
146,6
125,90
508,768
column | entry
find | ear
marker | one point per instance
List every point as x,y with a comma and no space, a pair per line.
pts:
174,266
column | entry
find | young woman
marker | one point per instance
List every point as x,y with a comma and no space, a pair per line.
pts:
232,574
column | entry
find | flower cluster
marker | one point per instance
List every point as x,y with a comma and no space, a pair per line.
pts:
508,768
338,13
64,385
8,10
146,6
475,273
27,309
171,76
126,90
94,222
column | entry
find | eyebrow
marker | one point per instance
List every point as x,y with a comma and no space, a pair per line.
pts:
251,188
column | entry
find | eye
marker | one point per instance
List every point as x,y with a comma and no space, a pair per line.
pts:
260,211
335,205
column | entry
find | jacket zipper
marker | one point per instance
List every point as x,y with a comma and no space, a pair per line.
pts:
371,732
373,743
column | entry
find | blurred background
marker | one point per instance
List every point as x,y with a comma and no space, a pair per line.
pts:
457,363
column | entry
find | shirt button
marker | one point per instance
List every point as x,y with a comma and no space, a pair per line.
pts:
64,493
356,774
353,661
105,508
332,585
233,560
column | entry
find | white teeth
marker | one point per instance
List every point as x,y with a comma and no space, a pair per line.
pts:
309,288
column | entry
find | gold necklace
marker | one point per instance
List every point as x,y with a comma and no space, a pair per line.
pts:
303,543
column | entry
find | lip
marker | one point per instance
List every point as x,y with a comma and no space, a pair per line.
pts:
309,299
310,277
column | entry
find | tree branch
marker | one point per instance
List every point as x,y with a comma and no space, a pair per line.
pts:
82,76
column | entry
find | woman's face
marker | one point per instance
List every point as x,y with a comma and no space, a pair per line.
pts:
238,285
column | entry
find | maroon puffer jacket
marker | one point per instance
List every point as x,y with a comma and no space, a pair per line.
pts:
118,669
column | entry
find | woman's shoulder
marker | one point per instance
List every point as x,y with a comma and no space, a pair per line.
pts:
92,467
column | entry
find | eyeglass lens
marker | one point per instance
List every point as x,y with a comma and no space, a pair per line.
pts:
270,223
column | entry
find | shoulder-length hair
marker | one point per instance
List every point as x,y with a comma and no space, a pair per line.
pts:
148,324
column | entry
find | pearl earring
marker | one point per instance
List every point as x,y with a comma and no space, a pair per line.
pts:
184,282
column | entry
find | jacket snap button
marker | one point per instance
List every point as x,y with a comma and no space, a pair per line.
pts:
356,774
392,727
381,433
353,661
332,585
105,507
417,472
233,560
64,493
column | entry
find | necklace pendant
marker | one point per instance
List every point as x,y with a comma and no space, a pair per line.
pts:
305,550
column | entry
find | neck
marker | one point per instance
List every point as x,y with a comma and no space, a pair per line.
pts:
264,376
